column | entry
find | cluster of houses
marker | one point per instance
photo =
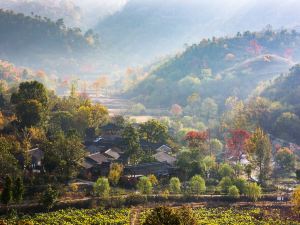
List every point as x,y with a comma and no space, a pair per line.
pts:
109,148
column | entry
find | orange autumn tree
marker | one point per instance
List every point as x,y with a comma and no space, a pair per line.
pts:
198,140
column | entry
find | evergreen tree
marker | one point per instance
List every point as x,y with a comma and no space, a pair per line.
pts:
18,190
6,196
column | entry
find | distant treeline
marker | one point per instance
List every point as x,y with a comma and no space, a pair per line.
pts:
20,34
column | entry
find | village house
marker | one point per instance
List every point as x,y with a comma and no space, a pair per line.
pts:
165,157
159,169
95,165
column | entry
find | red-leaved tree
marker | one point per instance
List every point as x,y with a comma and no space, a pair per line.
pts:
235,142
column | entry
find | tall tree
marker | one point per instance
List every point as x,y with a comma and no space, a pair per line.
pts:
18,190
259,148
30,90
154,131
132,143
6,195
63,155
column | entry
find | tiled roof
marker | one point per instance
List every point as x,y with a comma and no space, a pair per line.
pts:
164,157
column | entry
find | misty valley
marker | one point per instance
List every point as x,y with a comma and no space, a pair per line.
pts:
149,112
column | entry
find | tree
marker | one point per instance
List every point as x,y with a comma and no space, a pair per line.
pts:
175,185
144,185
233,192
225,184
30,90
153,179
7,194
260,148
285,161
207,164
61,121
296,200
225,170
153,131
162,216
197,184
253,191
209,109
198,140
29,113
132,143
115,173
236,143
138,109
216,146
168,216
49,197
8,163
63,155
176,110
241,184
18,190
101,187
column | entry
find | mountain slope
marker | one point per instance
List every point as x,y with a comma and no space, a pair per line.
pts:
42,43
220,68
146,29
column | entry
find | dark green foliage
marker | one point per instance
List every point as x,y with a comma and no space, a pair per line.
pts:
29,112
30,90
132,143
18,190
7,194
31,102
26,34
298,174
154,131
49,197
63,155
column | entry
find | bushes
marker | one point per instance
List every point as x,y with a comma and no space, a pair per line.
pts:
175,185
233,192
144,185
253,191
101,187
241,184
169,216
197,185
225,184
135,199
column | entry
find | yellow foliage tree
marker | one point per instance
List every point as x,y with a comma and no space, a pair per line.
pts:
296,200
115,173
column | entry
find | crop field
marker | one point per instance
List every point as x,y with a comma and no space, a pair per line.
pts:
205,216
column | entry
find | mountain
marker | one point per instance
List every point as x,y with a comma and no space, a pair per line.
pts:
220,68
286,90
53,9
144,30
37,42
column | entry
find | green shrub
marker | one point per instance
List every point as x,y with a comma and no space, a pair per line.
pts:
197,184
253,191
233,192
225,184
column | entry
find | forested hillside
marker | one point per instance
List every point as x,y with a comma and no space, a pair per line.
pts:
220,67
44,42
